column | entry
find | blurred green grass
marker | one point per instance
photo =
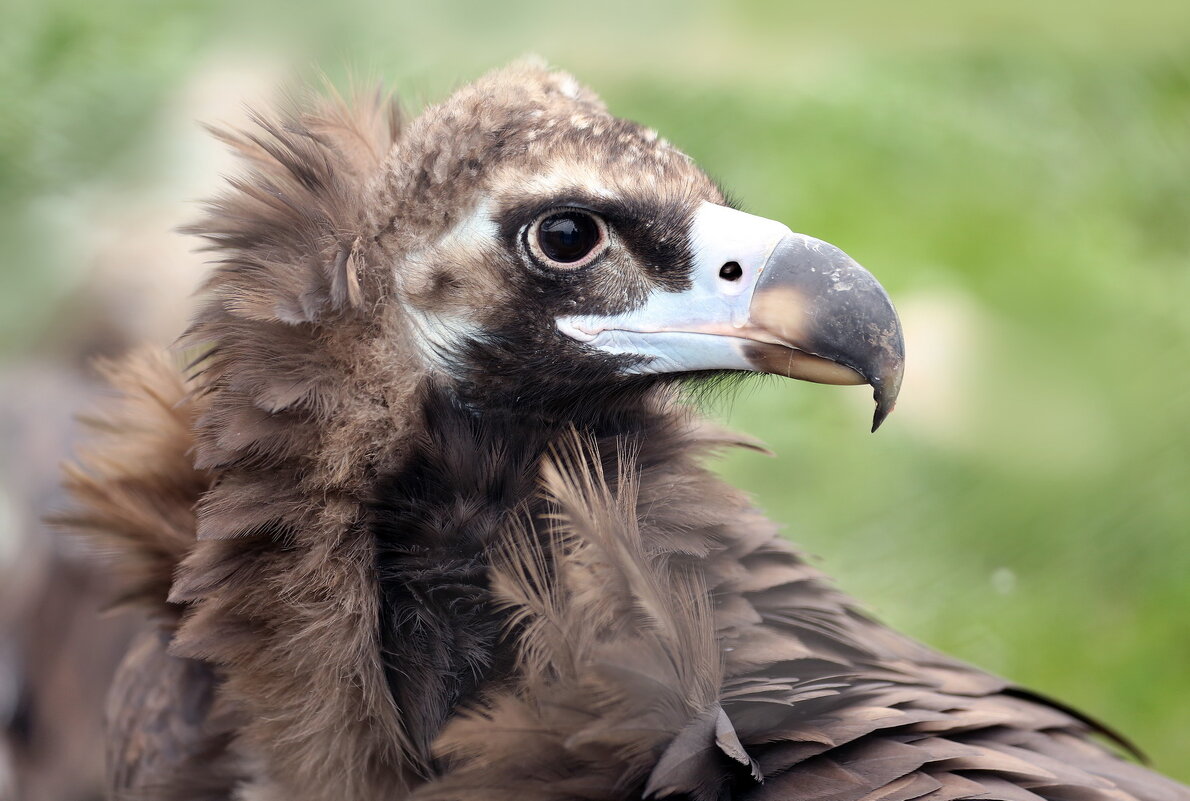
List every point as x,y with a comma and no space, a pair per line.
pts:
1017,174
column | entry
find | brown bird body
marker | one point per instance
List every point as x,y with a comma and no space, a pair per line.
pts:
402,533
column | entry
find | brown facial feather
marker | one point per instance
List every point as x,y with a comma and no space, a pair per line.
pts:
662,637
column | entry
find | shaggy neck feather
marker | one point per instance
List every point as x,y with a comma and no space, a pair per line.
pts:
471,481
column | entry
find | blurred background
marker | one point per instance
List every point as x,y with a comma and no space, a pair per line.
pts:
1016,173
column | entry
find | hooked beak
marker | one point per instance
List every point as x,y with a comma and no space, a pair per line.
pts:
765,299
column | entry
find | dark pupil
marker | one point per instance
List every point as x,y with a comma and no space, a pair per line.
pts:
568,236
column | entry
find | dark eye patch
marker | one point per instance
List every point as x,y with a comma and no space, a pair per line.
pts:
654,231
658,235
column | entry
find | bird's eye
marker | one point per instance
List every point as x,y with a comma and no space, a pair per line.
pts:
567,239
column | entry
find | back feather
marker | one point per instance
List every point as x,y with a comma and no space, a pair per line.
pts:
135,484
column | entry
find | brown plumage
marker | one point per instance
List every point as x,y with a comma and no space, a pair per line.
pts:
400,534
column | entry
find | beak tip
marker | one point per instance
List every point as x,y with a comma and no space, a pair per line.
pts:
885,395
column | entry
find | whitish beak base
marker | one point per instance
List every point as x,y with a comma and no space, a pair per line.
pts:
764,299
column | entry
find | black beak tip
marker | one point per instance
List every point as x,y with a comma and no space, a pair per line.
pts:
885,388
879,417
885,394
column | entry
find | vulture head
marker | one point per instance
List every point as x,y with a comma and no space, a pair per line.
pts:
538,256
551,252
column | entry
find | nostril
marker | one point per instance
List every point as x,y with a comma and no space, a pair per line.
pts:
732,271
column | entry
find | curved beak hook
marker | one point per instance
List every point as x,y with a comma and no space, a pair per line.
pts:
815,299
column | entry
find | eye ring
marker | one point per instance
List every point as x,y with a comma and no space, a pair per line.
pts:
566,238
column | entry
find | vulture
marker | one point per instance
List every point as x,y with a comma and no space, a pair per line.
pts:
418,508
